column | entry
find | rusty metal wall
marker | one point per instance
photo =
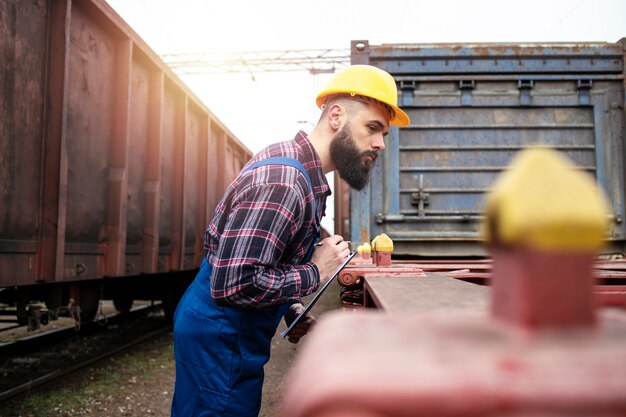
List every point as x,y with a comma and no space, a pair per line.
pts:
91,106
109,165
22,58
472,108
139,133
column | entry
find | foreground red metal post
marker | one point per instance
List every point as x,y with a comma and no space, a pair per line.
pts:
537,354
546,222
382,247
365,252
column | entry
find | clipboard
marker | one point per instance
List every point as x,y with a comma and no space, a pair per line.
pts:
317,295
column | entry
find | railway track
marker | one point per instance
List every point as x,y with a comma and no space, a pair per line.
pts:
36,361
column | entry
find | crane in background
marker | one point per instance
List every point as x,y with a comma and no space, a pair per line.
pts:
315,61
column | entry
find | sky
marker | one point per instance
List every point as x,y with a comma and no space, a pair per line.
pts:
263,108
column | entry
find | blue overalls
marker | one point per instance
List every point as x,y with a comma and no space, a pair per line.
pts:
220,351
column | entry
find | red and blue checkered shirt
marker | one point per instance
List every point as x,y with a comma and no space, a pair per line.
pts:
263,228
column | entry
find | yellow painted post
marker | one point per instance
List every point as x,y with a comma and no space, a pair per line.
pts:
545,221
382,248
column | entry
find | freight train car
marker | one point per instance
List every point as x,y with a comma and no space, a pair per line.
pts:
472,107
110,167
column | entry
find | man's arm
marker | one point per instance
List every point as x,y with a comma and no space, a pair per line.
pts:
247,268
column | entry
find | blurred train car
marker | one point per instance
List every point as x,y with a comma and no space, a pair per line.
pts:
110,167
472,107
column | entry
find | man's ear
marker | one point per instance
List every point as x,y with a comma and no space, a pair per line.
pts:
335,115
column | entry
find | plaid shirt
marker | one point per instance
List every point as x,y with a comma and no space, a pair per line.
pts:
263,228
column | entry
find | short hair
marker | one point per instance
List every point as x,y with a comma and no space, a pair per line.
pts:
357,97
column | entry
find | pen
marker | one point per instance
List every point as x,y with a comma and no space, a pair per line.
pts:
321,243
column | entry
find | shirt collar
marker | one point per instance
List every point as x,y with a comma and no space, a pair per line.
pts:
313,164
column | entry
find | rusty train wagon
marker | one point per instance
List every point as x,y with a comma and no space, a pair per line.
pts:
110,167
472,107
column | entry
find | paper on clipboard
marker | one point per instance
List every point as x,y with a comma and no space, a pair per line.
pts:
317,295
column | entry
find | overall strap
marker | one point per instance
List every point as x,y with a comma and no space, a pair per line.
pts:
282,160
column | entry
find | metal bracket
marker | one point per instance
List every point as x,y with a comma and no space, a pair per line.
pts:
360,52
467,84
420,198
408,90
524,87
389,218
466,87
408,85
584,88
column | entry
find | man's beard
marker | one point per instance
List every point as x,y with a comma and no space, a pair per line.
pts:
350,163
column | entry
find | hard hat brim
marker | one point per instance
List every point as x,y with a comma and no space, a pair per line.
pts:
400,118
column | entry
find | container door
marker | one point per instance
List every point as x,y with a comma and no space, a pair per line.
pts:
468,124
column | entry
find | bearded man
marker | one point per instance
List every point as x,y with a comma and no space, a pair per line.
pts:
260,252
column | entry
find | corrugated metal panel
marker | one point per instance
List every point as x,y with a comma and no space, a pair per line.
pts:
22,115
106,158
472,107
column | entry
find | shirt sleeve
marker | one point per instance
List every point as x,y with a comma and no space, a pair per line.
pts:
248,266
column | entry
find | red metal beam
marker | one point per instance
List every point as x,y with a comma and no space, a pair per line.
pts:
152,187
178,187
202,188
117,187
54,174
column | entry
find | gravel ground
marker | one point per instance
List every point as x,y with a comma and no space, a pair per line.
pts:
140,384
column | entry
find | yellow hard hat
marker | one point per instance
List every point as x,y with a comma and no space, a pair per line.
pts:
368,81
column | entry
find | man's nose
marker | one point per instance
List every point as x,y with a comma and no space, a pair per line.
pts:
379,142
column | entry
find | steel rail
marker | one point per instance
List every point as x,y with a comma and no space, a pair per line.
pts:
53,376
32,343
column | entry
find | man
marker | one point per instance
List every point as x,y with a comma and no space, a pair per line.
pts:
261,257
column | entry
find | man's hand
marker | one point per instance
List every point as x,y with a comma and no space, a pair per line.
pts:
330,255
304,325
